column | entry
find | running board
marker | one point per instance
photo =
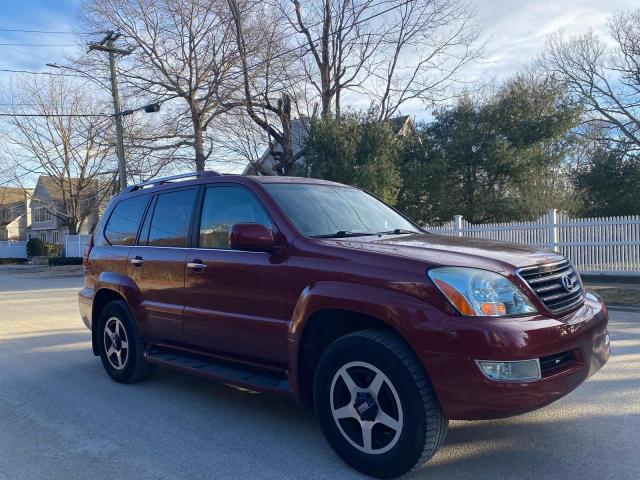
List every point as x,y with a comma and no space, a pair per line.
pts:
220,372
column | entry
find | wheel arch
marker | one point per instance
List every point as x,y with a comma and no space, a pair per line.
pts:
101,298
331,310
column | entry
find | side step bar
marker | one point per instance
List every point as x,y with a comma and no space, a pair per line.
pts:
220,372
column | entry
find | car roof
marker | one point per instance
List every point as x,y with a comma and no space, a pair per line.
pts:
302,180
199,177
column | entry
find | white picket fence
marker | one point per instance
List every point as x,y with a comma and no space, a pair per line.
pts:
75,245
594,245
13,249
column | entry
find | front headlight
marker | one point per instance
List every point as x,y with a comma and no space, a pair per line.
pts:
481,293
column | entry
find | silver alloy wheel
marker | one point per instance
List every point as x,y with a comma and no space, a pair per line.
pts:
365,406
116,343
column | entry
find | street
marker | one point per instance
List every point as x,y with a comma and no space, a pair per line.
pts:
62,417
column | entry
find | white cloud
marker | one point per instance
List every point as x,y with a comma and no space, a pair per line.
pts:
515,30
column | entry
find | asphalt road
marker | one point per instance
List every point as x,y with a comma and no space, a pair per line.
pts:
61,417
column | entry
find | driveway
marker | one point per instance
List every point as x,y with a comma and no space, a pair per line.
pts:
61,417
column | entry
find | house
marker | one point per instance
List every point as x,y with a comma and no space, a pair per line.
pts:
14,213
52,207
299,132
401,126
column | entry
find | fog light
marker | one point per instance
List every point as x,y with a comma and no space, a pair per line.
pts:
516,371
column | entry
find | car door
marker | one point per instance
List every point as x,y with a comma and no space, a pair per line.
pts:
157,262
235,301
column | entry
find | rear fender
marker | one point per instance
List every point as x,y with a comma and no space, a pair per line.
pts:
124,287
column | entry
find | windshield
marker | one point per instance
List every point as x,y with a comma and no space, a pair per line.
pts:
336,211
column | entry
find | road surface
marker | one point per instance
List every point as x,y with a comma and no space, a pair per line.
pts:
61,417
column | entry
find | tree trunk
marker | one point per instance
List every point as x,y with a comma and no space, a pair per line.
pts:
198,141
325,71
287,159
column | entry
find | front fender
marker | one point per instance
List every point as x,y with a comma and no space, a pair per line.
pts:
398,310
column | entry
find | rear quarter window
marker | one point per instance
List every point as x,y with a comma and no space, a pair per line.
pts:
123,223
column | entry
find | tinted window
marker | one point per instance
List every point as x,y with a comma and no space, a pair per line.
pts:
321,210
171,215
123,223
223,206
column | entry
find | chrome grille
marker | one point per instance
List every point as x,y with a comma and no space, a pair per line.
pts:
549,282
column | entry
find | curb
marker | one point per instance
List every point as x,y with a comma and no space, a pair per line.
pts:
623,308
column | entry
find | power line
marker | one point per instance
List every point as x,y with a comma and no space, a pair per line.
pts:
53,32
53,115
30,72
38,44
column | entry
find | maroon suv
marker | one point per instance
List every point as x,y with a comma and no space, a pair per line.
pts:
320,292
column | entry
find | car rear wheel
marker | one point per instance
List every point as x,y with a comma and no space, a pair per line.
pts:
120,344
376,405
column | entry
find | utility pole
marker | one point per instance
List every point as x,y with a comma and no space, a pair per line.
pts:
107,45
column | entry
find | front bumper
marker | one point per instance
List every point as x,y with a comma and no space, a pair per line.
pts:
465,393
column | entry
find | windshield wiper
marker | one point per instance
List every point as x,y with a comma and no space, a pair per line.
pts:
398,231
343,234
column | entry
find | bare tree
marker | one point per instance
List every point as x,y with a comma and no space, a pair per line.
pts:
605,76
56,129
267,80
392,51
425,46
239,142
181,49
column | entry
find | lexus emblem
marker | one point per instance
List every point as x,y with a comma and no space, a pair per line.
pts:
567,282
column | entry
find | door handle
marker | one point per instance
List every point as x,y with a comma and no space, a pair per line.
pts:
197,265
138,262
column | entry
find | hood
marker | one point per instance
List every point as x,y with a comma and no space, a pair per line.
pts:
449,250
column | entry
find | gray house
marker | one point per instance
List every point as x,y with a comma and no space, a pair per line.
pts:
14,213
52,209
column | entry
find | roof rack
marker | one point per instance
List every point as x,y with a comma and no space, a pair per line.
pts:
172,178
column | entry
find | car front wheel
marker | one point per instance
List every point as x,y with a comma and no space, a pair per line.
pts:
376,405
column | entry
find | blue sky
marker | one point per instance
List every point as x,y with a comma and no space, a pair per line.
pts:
514,29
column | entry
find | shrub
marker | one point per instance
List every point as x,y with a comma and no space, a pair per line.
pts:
53,250
60,261
36,248
13,261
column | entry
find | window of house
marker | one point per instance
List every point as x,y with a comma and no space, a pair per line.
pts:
41,214
55,236
43,236
171,219
122,227
223,206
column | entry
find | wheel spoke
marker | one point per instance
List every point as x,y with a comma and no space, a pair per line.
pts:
119,357
346,378
376,384
111,351
344,412
124,345
116,327
367,428
388,421
109,333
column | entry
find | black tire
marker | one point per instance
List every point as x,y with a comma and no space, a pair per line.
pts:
421,433
133,365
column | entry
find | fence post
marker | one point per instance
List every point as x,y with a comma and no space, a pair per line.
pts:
553,229
457,225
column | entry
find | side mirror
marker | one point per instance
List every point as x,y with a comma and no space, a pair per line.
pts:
253,237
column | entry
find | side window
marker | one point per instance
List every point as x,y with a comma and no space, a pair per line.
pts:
171,215
122,227
223,206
